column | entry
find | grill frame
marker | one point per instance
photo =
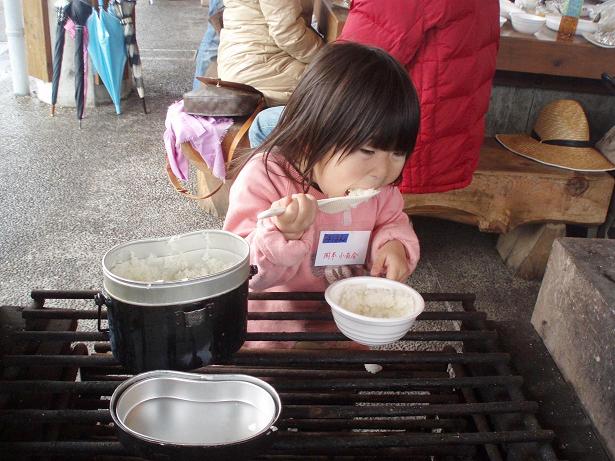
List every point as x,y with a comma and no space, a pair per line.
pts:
307,393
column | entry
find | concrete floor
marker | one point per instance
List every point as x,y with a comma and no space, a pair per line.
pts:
68,195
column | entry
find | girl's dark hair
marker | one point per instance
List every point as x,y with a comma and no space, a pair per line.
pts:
351,95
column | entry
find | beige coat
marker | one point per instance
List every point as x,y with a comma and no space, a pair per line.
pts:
267,44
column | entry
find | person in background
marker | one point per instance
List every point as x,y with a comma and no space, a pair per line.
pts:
449,49
208,49
267,44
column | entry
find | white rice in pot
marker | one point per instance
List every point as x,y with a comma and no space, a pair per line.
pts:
376,302
171,268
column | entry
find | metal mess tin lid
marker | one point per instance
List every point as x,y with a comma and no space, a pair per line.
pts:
189,409
194,247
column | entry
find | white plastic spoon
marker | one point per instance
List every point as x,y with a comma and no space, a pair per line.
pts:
330,205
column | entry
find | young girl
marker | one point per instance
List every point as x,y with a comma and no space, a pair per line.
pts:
351,123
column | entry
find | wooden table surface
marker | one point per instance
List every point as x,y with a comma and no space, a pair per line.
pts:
579,58
518,52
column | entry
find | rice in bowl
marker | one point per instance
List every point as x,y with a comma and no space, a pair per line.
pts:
376,302
372,310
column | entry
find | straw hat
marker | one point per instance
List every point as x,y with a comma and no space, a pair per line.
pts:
560,138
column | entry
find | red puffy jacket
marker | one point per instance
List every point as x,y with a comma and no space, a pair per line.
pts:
449,48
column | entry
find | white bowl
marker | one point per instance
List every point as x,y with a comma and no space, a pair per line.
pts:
583,26
526,23
372,331
502,20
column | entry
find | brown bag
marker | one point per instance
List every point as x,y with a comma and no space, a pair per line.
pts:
219,98
224,99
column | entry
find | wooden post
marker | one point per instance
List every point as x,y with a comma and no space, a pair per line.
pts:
526,249
38,39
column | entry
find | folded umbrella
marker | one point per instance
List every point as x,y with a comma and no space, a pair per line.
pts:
80,11
62,12
82,93
124,9
106,47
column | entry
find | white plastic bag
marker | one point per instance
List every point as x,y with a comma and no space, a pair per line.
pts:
605,16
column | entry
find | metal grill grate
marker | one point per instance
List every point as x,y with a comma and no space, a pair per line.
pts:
437,404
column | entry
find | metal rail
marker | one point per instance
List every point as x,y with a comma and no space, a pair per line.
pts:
415,408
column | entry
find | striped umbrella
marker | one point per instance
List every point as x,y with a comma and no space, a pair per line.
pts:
124,9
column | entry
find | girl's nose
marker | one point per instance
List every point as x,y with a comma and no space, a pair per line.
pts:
382,167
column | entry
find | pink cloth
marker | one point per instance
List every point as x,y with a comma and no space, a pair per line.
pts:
71,29
205,134
289,265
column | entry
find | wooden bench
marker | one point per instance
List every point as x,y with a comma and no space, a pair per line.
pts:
525,201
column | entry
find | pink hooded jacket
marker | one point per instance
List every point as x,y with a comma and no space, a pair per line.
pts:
289,265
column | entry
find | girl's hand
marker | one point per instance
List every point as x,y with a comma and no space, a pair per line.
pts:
391,260
299,215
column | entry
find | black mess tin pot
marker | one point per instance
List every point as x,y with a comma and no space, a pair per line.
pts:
177,325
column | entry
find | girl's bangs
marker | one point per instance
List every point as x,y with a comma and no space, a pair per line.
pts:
391,127
383,107
396,134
